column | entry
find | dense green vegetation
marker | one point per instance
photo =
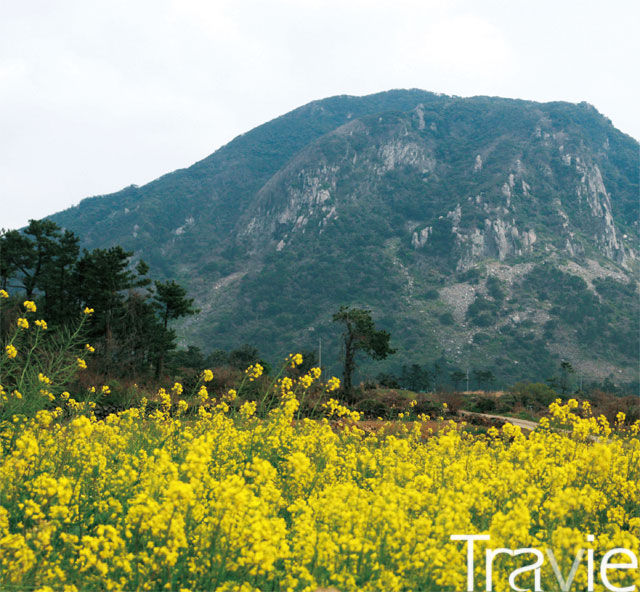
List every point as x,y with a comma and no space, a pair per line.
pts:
380,203
130,316
600,320
129,324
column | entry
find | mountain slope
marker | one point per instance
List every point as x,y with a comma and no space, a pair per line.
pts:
472,228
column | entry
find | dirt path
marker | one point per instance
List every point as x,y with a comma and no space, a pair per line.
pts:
524,424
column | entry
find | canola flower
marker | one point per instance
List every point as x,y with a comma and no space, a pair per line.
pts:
43,378
217,500
47,394
203,496
36,366
333,384
254,371
203,394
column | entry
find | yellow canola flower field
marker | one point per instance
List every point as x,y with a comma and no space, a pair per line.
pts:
223,500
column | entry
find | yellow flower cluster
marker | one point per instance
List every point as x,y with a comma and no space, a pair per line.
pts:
254,371
47,394
165,398
335,408
333,384
203,394
32,365
224,501
43,379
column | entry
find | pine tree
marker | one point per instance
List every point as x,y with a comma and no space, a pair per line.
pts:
360,334
172,303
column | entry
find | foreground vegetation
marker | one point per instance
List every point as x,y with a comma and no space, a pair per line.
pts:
191,491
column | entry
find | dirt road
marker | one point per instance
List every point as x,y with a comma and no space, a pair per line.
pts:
524,424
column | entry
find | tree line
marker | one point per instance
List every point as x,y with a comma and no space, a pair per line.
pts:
130,327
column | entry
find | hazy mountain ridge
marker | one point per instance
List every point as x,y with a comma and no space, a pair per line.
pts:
387,201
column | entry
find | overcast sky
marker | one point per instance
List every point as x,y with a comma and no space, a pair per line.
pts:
95,96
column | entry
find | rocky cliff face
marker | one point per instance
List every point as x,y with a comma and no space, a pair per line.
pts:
377,201
491,217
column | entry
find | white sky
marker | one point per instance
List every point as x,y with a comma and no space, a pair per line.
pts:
96,95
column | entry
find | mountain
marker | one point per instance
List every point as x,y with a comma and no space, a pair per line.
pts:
495,233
